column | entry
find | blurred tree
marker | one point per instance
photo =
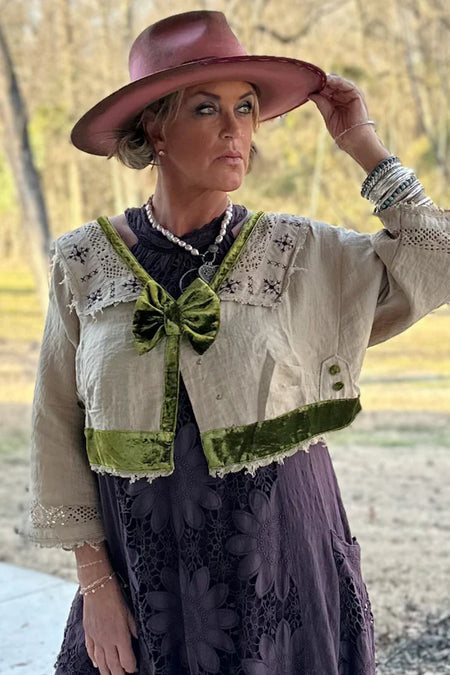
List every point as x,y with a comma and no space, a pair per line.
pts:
27,180
397,52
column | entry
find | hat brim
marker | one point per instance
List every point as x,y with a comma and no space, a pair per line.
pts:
282,83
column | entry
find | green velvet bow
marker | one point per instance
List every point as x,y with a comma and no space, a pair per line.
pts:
195,314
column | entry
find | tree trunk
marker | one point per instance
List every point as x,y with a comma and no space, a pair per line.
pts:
18,151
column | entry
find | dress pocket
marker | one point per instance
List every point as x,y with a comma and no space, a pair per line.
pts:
356,648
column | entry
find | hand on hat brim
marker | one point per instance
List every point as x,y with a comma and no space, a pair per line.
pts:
341,103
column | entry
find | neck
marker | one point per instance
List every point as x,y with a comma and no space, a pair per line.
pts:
184,213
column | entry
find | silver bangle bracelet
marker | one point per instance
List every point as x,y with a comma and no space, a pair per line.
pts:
391,183
383,185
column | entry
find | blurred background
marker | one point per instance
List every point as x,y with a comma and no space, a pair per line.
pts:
59,57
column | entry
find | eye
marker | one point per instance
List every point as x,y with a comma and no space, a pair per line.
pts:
205,109
245,107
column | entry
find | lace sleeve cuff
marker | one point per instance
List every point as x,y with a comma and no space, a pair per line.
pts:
64,527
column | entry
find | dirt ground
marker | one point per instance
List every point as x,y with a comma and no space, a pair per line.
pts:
394,473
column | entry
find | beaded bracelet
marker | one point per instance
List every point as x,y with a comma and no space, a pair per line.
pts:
397,196
391,183
96,585
383,167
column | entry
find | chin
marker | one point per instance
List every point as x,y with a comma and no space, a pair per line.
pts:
232,183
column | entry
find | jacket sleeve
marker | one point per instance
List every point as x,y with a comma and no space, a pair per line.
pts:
414,247
64,494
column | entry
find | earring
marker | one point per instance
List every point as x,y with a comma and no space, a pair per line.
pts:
161,153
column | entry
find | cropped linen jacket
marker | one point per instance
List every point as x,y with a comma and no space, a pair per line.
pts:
270,351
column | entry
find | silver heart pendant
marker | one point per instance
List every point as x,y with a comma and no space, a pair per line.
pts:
207,272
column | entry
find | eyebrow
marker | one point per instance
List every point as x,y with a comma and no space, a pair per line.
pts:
217,98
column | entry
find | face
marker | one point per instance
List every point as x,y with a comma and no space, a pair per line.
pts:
207,145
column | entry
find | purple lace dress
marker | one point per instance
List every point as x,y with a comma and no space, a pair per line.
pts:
241,575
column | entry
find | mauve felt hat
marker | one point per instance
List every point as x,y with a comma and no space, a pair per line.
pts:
184,50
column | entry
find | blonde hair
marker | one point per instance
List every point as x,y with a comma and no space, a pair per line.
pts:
134,148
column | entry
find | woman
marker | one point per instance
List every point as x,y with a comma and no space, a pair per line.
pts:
203,350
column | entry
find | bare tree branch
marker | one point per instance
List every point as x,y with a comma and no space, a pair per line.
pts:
306,28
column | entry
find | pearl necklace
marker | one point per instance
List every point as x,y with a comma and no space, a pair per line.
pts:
207,269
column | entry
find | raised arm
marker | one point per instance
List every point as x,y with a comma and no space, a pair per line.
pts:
344,109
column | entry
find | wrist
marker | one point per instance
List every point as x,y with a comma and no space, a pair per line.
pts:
87,576
96,585
92,563
364,146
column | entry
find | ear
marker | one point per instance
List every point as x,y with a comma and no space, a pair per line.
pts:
155,133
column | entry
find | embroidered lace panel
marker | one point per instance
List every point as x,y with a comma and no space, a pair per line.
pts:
103,278
54,516
271,247
430,239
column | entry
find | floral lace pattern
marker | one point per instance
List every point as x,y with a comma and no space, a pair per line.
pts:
263,529
218,571
356,615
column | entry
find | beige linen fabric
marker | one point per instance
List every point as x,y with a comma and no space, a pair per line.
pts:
303,298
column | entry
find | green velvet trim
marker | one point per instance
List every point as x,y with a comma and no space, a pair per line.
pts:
122,249
253,442
171,385
220,277
234,253
195,314
130,451
147,453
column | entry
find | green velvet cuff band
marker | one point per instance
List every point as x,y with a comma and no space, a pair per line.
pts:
261,440
130,451
251,445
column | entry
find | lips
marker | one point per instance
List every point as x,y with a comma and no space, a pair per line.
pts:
231,155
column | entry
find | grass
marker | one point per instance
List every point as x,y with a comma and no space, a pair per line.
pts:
409,372
392,435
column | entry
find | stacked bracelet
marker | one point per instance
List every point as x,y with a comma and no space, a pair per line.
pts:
390,183
96,585
379,171
89,564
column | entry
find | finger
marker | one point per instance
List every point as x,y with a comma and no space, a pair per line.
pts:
131,624
323,104
127,658
90,649
335,80
113,661
340,85
100,660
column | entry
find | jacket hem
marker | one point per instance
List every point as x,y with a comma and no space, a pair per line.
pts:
251,444
252,467
132,475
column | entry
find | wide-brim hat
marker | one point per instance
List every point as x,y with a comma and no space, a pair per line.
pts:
188,49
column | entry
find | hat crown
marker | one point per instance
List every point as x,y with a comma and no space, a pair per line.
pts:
183,38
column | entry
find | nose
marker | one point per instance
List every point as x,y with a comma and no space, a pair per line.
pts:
230,126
